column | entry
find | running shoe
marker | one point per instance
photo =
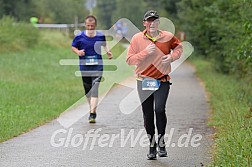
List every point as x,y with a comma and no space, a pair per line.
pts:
92,117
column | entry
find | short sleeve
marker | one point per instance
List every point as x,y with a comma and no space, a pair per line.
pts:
103,39
75,42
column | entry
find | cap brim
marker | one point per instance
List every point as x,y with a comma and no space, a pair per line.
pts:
150,17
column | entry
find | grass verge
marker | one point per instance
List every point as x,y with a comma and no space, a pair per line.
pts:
231,104
35,88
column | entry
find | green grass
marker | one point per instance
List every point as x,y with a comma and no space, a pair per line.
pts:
231,103
17,36
35,88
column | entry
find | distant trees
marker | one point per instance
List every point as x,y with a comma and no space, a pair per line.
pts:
220,30
108,12
130,9
62,11
15,8
104,12
51,11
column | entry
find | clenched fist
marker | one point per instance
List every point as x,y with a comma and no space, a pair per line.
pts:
151,48
81,52
167,59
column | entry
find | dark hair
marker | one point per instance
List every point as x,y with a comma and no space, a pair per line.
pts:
91,17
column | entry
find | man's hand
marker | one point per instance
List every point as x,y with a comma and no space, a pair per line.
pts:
167,59
110,56
151,48
81,52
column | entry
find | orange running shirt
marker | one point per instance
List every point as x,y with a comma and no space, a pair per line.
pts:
150,65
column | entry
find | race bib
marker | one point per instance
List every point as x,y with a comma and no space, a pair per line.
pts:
150,84
91,60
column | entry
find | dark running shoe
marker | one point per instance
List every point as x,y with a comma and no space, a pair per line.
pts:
152,153
162,152
92,117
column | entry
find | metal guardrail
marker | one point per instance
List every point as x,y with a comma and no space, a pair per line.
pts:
65,28
58,25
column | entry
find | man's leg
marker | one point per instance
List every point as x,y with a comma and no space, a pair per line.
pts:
87,84
147,102
94,98
160,97
93,104
89,101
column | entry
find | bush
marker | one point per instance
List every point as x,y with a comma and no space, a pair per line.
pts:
220,30
17,36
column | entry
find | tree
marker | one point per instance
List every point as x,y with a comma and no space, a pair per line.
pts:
60,11
20,9
131,10
220,30
105,10
52,11
171,7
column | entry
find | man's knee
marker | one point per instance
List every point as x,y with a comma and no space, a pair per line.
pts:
160,109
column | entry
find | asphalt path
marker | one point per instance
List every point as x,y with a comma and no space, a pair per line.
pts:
118,137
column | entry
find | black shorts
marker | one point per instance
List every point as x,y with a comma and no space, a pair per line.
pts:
91,85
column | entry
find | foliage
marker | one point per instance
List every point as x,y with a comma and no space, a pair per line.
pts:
104,13
220,30
63,11
50,11
131,11
19,9
17,35
231,113
221,33
108,12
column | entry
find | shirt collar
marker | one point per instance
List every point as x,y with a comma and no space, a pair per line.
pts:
153,39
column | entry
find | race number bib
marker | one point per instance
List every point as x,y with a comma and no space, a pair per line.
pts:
91,60
150,84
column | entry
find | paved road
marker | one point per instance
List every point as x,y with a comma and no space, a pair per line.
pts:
119,117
